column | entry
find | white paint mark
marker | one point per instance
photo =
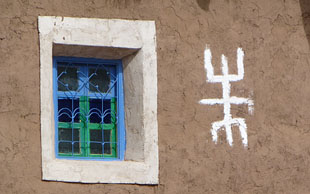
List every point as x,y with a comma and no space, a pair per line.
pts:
227,100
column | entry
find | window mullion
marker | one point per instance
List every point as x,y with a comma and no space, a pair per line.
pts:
84,111
86,104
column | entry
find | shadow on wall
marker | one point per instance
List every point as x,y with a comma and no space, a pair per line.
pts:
305,10
204,4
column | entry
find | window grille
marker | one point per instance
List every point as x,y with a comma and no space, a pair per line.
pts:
89,111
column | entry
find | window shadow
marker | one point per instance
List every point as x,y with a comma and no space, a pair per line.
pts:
203,4
305,10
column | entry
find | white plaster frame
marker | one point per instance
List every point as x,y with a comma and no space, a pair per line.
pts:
136,35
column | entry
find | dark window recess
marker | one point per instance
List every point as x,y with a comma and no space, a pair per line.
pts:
68,109
100,108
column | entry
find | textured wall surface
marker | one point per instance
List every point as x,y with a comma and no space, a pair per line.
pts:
271,32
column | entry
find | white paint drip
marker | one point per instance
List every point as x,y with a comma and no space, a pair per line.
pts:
227,100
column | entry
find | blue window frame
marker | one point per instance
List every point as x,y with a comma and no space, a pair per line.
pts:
89,108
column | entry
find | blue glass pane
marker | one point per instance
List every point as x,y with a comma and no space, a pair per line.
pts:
67,78
67,109
100,108
99,80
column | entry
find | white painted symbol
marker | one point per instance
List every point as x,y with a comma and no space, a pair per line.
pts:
227,100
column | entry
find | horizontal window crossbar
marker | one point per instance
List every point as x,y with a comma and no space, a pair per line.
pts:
92,126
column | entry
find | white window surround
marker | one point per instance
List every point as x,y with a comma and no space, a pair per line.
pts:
137,38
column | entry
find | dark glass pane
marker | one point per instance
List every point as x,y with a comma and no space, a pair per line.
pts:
66,134
107,140
76,135
97,109
96,135
95,148
65,147
76,147
67,78
68,108
99,80
107,135
107,148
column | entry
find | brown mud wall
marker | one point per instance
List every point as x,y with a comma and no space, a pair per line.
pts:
277,75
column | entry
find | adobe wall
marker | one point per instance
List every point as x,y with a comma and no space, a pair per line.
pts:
277,69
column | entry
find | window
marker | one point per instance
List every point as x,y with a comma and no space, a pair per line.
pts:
71,50
88,95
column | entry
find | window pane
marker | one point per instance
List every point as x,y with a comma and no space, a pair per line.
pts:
68,108
107,148
76,147
95,148
107,135
96,135
67,78
65,147
99,80
96,141
107,140
66,134
99,108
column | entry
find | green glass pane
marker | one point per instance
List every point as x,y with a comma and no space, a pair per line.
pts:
99,80
67,78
